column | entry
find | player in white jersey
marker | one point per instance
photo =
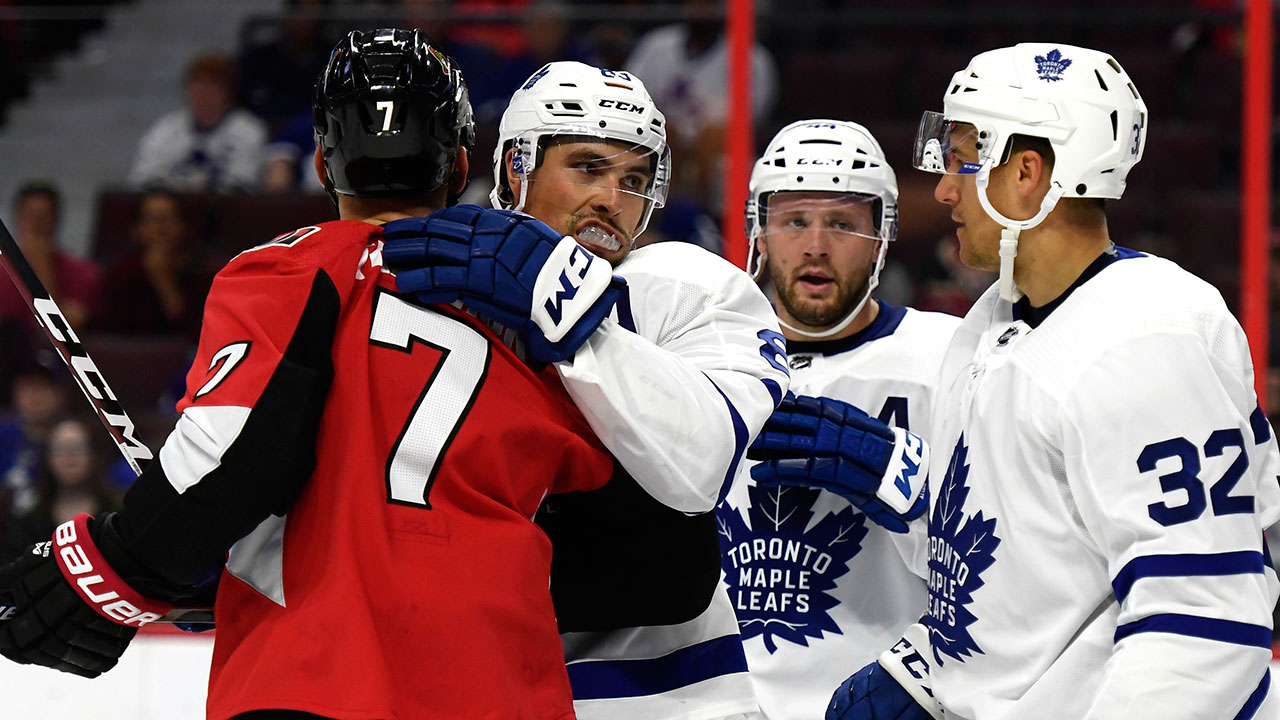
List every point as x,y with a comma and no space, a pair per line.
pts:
1102,474
816,585
675,382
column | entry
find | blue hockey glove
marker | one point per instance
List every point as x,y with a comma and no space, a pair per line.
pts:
896,687
832,445
508,267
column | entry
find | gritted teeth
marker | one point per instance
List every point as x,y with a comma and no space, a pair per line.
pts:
595,235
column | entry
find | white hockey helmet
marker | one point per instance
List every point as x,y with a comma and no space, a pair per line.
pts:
579,100
823,155
1080,100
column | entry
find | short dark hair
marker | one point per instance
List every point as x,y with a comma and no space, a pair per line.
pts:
36,188
1018,143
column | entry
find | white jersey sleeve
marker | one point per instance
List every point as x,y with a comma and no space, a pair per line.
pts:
1162,463
683,375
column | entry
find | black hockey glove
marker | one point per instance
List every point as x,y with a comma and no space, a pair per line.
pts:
63,607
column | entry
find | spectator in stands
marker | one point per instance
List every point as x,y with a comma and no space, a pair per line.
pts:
548,39
208,145
38,398
280,59
71,481
684,67
158,286
73,283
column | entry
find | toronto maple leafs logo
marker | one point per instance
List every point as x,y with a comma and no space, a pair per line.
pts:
780,571
1051,65
960,549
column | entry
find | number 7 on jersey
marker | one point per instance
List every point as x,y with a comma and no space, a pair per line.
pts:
445,399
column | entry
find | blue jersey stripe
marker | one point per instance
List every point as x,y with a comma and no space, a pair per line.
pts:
625,318
740,440
1261,428
775,390
601,679
1228,631
1254,702
1229,563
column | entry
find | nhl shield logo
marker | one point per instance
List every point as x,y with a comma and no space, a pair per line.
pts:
1051,65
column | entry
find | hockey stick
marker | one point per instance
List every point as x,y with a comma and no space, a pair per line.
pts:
72,351
94,386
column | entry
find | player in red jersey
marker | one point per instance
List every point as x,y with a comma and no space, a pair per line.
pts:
366,466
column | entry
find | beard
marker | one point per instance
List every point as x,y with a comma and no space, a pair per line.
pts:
817,314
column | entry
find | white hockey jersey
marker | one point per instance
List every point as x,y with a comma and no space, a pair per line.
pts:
1101,479
676,384
818,589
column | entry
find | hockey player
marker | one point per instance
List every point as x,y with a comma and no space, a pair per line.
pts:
1103,473
675,384
371,465
817,584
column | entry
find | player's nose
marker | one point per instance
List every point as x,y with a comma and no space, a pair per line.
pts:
947,190
816,241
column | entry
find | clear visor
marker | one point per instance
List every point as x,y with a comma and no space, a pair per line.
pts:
793,214
607,188
947,147
596,159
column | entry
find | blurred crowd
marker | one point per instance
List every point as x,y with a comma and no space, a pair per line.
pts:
244,131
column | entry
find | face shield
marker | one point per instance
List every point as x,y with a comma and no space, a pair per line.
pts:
608,187
793,220
839,216
947,147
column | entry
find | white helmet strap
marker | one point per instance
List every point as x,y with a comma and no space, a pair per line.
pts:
1012,228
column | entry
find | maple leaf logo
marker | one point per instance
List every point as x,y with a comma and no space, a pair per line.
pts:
780,571
960,549
1051,65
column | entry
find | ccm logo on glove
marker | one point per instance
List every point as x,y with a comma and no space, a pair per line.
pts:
579,261
93,579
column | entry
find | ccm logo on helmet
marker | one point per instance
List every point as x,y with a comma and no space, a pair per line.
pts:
820,161
622,105
91,583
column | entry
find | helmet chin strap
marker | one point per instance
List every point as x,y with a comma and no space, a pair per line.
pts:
1012,229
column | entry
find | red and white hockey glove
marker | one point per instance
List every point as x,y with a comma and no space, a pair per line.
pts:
63,607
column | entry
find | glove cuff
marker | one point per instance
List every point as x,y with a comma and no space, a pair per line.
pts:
906,663
93,579
567,288
906,474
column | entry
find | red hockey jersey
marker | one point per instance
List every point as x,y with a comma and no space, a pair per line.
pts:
400,453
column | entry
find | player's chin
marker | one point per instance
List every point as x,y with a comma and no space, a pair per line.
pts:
611,256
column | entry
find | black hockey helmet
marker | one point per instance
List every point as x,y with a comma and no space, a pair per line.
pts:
390,113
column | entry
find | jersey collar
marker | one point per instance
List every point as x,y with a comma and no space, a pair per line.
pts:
887,320
1033,316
